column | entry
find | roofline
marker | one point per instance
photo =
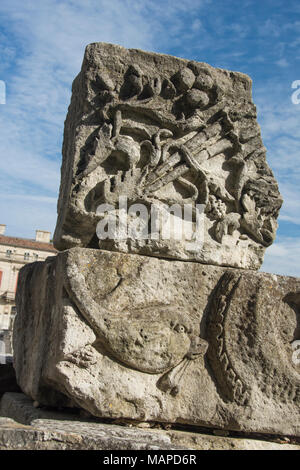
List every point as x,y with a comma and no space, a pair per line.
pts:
27,243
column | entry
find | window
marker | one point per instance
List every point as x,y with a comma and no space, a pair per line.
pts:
8,253
36,257
26,256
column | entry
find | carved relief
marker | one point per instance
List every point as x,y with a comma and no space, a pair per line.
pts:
229,381
126,336
250,341
161,136
280,377
137,337
155,339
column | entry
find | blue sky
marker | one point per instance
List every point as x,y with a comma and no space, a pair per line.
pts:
41,50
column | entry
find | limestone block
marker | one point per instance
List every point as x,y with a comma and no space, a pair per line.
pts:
142,338
160,131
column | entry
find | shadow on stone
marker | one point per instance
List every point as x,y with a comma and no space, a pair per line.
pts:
8,381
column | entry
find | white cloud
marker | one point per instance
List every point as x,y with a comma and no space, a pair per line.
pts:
270,28
283,257
197,25
291,207
279,119
282,62
24,214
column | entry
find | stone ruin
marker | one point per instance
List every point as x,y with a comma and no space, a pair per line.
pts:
150,329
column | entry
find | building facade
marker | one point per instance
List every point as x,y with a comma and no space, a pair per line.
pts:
15,253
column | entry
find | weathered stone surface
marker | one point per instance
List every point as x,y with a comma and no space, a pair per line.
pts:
23,410
49,430
182,335
129,336
162,130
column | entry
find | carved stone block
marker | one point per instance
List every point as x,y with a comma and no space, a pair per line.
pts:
129,336
161,131
182,335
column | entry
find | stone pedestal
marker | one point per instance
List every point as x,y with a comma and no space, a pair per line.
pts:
26,427
129,336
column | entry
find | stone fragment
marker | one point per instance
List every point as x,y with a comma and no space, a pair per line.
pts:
153,311
131,337
184,80
163,131
197,98
104,82
204,82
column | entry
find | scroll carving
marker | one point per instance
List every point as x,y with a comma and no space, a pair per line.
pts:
161,136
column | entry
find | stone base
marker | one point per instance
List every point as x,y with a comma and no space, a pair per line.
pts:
25,427
146,339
